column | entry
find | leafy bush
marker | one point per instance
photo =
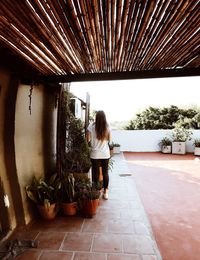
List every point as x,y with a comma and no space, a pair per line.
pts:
180,134
165,118
73,148
112,145
43,192
88,191
165,142
67,189
77,155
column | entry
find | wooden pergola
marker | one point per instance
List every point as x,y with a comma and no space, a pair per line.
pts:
69,40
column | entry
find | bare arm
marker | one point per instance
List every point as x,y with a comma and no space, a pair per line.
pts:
109,136
88,136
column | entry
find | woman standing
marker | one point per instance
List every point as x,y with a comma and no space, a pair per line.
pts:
98,134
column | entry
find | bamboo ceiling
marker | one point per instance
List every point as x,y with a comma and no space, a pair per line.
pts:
63,37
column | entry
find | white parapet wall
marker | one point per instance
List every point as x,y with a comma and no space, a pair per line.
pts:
146,140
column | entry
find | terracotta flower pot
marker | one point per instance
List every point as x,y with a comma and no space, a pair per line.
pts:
69,209
89,207
48,213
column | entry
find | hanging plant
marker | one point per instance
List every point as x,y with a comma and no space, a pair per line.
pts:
30,97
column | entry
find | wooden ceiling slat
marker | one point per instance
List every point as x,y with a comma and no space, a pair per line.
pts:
65,13
25,53
98,32
185,52
117,31
194,62
24,45
154,29
101,35
50,43
150,5
13,39
109,36
97,36
112,13
102,38
177,55
53,29
87,29
161,25
192,56
46,55
93,33
153,23
43,32
33,63
53,40
186,29
76,43
107,24
126,36
81,30
137,27
17,15
129,34
15,20
167,30
106,32
122,34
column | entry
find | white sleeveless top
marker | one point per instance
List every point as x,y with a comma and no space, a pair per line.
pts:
99,149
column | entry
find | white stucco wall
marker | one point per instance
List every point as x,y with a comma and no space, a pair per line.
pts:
146,140
34,133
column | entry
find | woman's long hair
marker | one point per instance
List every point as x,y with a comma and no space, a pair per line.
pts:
101,125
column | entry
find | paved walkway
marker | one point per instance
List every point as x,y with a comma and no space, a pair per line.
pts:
119,231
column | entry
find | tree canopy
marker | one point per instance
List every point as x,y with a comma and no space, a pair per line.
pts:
165,118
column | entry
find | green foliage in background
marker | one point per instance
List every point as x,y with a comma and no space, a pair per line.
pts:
165,118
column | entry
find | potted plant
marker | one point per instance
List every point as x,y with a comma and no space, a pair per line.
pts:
179,137
68,194
111,148
116,148
45,195
196,144
88,196
166,145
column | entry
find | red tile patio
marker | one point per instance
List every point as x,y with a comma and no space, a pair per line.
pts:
153,210
169,187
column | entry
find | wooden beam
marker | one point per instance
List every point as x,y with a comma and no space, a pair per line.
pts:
165,73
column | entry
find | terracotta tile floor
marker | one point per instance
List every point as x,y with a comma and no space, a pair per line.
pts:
119,231
169,187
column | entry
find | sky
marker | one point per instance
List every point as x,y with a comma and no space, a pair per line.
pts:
122,99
